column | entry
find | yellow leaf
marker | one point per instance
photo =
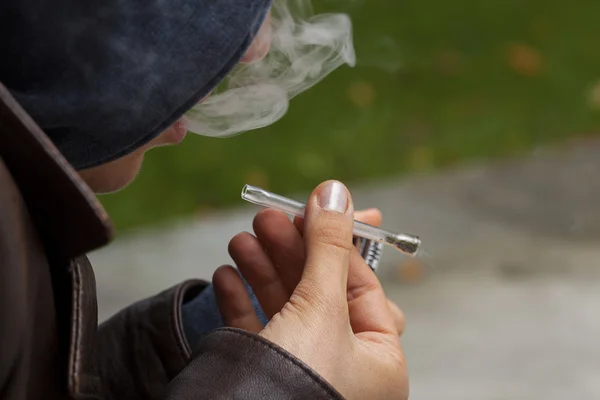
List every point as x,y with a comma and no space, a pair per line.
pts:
594,97
421,158
257,177
524,59
312,165
202,210
411,271
449,62
361,94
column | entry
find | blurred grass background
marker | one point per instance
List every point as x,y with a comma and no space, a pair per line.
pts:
437,83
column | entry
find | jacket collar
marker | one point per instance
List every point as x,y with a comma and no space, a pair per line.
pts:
67,215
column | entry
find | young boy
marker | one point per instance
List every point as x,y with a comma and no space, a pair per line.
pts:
79,71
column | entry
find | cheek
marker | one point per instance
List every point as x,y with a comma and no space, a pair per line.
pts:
125,172
261,44
174,135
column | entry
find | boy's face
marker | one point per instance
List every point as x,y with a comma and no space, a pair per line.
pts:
117,174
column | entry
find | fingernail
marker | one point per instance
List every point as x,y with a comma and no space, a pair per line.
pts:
334,197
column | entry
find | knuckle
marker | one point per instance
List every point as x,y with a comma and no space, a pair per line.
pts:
401,324
356,292
305,297
334,234
320,303
401,318
338,308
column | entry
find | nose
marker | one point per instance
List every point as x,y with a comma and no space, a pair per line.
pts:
261,44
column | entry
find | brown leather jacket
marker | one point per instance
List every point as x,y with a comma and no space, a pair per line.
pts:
50,344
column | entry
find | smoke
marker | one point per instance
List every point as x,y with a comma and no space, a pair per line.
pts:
305,48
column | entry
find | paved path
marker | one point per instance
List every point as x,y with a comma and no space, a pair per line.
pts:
506,304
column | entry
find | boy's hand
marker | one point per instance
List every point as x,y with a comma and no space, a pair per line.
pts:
251,253
326,306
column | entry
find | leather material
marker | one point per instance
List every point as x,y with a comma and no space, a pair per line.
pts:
260,369
61,204
50,345
142,348
29,336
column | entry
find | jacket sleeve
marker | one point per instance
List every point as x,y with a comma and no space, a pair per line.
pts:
234,364
143,347
142,353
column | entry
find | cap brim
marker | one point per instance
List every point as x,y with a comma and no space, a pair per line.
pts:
105,77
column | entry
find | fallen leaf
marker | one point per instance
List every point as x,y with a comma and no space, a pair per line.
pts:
311,164
468,106
411,270
594,97
203,210
418,129
257,177
524,59
449,62
361,94
421,158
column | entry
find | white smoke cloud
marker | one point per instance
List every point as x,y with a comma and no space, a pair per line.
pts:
305,48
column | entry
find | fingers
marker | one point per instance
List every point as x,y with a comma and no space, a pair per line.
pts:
283,243
398,316
260,272
233,301
328,240
371,216
367,304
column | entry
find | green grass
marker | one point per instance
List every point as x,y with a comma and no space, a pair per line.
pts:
437,82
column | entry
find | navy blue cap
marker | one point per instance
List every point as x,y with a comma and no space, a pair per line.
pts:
104,77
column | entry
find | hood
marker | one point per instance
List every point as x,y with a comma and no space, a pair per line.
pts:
104,77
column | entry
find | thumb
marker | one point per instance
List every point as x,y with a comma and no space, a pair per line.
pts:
328,224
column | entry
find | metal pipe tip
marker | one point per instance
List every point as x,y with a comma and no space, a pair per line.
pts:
406,243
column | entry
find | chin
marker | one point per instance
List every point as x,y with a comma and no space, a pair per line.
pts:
113,176
117,184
